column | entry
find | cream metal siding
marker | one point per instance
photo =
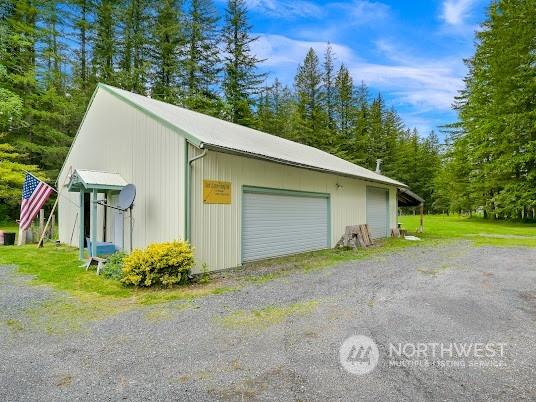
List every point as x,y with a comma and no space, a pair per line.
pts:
216,228
276,223
378,211
118,138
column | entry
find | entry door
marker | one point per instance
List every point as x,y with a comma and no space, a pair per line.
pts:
276,223
378,211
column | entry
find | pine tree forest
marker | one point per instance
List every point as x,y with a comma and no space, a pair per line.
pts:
53,53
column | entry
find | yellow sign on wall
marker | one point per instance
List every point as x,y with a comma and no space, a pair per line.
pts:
216,192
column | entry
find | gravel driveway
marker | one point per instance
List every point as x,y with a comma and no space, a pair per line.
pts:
280,340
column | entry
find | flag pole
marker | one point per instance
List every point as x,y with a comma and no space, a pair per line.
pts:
41,240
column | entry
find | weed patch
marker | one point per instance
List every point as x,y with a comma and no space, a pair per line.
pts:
156,296
14,325
64,315
267,316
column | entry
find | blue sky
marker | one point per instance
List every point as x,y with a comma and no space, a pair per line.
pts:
411,51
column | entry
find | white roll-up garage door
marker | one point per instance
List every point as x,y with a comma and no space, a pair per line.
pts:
378,211
279,222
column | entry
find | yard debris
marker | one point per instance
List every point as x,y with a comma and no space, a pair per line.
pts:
412,238
355,236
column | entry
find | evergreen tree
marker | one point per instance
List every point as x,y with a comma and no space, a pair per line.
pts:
391,132
79,18
12,163
81,21
308,87
133,60
497,149
201,57
275,105
452,181
375,146
344,102
105,42
328,80
54,52
167,40
52,16
241,81
40,135
361,131
429,165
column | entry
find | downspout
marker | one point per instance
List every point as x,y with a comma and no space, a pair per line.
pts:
188,192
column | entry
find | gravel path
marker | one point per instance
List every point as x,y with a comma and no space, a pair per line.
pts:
280,340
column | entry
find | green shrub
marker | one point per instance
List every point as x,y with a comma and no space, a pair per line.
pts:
114,266
164,264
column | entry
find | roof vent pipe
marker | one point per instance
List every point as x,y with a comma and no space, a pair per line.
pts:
378,163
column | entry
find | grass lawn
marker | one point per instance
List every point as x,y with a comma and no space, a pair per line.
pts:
480,231
59,267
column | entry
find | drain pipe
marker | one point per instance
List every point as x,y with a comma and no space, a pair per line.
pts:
188,193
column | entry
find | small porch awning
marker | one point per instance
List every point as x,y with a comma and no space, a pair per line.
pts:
407,198
89,180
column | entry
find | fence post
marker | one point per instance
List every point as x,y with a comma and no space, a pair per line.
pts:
52,225
22,237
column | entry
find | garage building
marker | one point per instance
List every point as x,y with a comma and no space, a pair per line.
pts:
235,193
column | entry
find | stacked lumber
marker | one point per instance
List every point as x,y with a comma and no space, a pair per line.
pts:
355,236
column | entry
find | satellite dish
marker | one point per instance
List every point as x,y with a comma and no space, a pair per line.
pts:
126,197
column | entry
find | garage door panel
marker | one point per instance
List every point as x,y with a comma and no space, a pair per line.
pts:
378,212
291,225
280,224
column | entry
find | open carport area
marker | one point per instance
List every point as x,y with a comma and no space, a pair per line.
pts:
279,339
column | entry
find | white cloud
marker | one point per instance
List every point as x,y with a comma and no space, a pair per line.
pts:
358,11
456,11
423,86
424,83
362,11
286,8
428,85
342,17
423,124
279,50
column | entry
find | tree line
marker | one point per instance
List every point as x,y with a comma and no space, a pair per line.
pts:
490,166
53,53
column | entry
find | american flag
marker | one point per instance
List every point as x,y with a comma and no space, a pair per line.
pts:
34,194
